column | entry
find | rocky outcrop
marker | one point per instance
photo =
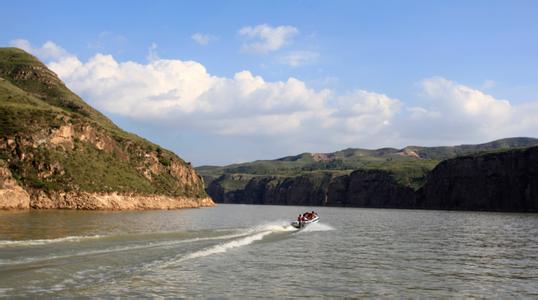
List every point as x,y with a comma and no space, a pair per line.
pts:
369,188
70,195
40,199
12,195
505,181
59,152
308,189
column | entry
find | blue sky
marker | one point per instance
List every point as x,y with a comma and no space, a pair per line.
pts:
365,73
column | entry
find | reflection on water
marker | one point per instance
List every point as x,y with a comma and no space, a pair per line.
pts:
251,251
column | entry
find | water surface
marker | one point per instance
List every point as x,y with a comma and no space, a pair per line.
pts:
236,251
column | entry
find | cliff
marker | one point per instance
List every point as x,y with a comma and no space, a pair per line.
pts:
408,166
369,188
498,181
505,181
56,151
301,190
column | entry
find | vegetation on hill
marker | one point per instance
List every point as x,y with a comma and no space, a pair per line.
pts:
409,166
52,140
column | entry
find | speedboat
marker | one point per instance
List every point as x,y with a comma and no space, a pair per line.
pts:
307,219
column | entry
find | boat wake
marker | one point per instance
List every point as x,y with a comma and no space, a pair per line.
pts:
114,249
252,235
24,243
225,242
317,227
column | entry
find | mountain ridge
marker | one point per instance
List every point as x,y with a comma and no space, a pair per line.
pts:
349,177
510,142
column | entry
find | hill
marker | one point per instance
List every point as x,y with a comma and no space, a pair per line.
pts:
405,169
56,151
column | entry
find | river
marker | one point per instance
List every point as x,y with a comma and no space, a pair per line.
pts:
249,251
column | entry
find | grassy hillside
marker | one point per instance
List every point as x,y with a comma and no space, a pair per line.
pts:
53,140
409,165
447,152
32,77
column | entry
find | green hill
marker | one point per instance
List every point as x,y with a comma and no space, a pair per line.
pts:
52,141
408,166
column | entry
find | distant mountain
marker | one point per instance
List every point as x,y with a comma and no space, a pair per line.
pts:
389,177
56,151
446,152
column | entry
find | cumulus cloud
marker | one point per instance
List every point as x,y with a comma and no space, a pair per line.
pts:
48,51
289,115
298,58
463,100
185,95
203,39
455,113
264,38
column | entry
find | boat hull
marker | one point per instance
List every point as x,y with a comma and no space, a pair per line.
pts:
303,224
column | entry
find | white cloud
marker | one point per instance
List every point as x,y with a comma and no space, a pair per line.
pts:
184,95
298,58
288,115
454,113
454,97
203,39
49,50
267,38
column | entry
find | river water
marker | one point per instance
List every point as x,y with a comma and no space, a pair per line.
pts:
247,251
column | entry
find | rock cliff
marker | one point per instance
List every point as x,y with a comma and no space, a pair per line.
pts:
56,151
301,190
499,181
505,181
369,188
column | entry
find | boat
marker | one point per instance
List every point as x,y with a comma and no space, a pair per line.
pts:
306,219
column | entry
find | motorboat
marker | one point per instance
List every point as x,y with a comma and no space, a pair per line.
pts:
305,220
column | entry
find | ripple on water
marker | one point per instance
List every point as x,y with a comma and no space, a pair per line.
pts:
248,251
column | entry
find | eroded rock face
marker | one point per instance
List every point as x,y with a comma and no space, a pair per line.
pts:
32,151
369,188
12,195
112,201
65,154
506,181
308,189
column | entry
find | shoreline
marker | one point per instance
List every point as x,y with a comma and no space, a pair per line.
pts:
40,200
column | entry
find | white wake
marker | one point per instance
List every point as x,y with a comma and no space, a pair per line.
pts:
23,243
252,235
106,250
317,227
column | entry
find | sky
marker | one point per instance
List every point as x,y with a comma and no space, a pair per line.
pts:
222,82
